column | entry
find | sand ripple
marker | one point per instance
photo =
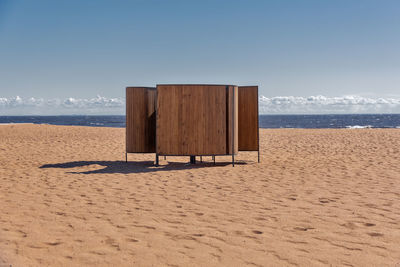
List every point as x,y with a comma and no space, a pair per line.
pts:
319,197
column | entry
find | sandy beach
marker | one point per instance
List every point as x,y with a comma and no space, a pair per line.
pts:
318,197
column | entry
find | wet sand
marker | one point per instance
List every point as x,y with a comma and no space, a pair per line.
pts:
319,197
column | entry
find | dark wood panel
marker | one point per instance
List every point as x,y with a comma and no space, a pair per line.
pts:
168,117
140,119
151,120
192,120
248,118
232,120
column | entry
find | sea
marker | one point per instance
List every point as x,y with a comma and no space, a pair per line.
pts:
352,121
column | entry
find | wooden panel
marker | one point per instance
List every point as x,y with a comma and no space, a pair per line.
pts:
192,120
151,120
232,120
168,118
140,119
248,118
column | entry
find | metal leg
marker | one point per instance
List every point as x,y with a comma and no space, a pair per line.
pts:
213,157
157,160
126,157
201,158
193,159
165,157
233,127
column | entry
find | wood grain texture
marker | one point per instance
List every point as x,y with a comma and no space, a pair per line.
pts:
232,120
248,118
192,119
140,119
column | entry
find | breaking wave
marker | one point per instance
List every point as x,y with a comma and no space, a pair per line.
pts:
359,127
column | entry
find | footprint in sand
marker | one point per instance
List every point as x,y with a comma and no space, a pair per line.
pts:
303,228
53,243
324,200
373,234
199,235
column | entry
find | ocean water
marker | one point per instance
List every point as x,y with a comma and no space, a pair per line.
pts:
266,121
331,121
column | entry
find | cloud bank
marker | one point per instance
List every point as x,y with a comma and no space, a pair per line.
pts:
327,105
274,105
69,106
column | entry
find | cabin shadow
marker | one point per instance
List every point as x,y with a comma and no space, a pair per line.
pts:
123,167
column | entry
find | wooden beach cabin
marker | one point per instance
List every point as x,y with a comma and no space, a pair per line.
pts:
197,120
192,120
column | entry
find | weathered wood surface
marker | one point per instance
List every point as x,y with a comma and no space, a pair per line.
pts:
248,118
140,120
194,119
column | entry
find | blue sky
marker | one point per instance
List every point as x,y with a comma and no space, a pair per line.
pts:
80,49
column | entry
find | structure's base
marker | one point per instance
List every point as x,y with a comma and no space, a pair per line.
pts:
193,158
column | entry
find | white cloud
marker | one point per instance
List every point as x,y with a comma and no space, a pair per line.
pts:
39,106
327,105
274,105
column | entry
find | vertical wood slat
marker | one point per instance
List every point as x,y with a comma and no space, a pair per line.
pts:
192,119
232,121
248,118
140,119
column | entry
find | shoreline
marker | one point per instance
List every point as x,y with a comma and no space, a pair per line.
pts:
378,121
288,128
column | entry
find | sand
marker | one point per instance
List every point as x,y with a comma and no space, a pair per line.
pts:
319,197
